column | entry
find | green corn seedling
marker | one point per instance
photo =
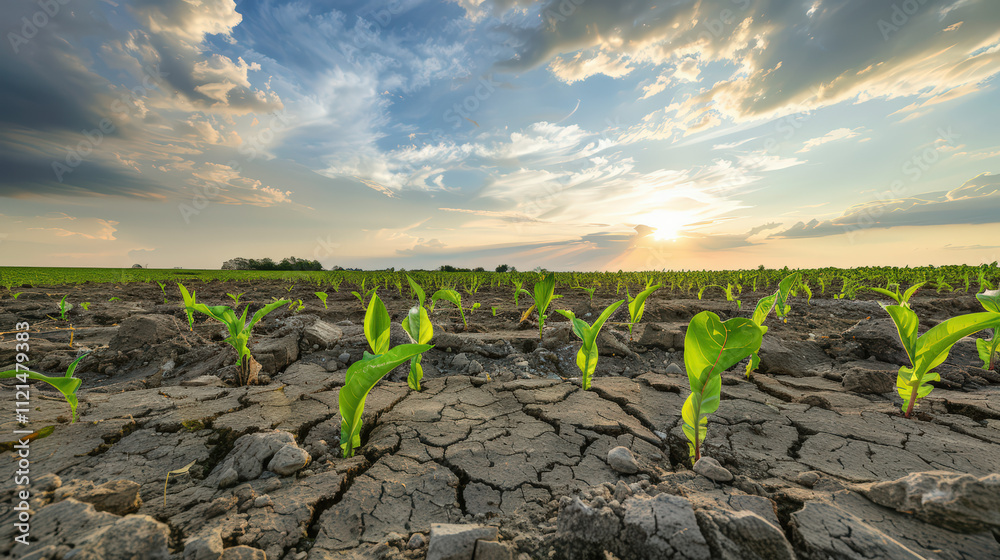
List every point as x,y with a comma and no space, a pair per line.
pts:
367,295
637,305
85,305
163,290
322,297
931,349
711,347
114,298
239,334
235,298
989,349
377,326
417,325
67,384
589,291
901,298
361,378
450,296
518,288
778,302
494,310
64,307
189,302
586,358
543,296
15,296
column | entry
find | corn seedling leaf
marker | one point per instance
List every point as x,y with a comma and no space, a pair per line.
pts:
377,325
361,378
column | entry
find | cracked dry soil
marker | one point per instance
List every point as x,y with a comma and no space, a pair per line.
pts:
501,435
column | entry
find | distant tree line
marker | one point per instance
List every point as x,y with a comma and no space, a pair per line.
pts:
288,263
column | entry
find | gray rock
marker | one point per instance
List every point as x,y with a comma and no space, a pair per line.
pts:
492,550
609,345
344,357
622,491
661,335
206,545
798,358
289,459
262,501
709,468
119,497
228,478
879,338
662,527
475,367
202,381
460,361
743,535
808,478
417,540
138,331
146,538
582,529
457,542
322,334
621,460
674,368
958,502
821,530
275,354
868,381
243,553
251,452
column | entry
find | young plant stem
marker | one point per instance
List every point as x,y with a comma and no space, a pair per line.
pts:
913,399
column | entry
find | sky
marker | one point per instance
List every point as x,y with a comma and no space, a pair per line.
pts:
563,134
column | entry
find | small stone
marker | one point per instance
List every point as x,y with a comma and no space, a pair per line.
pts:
661,435
712,470
345,357
229,478
262,501
331,366
621,460
808,478
674,368
492,550
622,491
475,367
204,546
289,459
416,541
461,361
457,542
521,363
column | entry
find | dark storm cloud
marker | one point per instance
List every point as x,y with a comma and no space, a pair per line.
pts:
975,202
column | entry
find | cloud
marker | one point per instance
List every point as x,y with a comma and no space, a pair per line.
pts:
977,201
785,62
832,136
